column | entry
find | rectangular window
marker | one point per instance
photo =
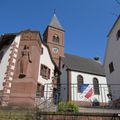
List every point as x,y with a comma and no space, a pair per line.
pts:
40,90
45,72
48,73
111,67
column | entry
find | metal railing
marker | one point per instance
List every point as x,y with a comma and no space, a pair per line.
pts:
63,92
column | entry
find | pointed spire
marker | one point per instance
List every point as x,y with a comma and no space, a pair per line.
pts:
55,22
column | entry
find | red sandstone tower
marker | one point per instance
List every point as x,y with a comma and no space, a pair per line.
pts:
54,37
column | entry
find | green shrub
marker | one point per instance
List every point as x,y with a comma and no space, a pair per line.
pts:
67,107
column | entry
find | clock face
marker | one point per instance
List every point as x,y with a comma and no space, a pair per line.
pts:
55,50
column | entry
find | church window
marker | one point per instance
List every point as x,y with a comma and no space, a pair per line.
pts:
56,38
45,72
96,86
111,67
118,35
79,82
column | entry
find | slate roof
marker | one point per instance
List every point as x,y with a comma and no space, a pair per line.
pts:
77,63
55,23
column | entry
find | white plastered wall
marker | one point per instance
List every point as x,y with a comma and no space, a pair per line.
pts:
4,62
113,55
88,79
46,60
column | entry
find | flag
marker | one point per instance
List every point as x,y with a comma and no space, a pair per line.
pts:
86,90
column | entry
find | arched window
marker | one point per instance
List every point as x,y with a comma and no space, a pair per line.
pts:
56,38
118,34
96,86
79,82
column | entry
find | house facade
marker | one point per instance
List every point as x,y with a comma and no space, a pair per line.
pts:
111,60
24,69
83,81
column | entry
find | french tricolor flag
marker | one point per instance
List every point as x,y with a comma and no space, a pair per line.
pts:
86,90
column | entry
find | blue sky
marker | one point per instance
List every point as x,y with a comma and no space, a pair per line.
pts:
86,22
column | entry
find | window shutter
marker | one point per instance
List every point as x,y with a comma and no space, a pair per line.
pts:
42,91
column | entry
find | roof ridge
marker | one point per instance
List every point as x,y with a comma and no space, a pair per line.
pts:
79,56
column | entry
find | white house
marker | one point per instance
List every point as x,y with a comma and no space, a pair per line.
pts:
112,60
7,43
83,81
46,75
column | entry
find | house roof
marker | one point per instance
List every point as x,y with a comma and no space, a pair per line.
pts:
55,23
77,63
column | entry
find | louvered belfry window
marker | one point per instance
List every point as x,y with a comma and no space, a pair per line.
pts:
55,38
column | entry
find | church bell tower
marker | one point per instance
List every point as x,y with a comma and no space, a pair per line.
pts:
54,37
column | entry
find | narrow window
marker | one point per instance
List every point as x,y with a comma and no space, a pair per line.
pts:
48,73
63,66
1,56
79,82
111,67
40,90
118,35
96,86
41,51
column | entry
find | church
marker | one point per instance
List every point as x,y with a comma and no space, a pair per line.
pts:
33,67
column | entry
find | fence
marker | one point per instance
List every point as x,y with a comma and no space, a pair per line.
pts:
85,96
103,107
